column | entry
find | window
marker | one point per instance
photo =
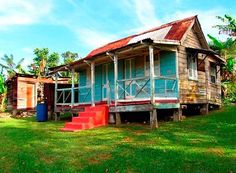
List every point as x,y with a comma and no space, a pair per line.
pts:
213,72
156,65
192,67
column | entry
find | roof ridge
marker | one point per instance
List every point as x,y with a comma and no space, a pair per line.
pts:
168,24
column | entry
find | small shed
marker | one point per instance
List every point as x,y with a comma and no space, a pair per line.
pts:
22,92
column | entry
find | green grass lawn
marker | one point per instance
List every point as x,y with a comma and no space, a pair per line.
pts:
197,144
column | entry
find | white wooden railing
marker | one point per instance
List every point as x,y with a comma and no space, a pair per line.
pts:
128,89
137,88
74,95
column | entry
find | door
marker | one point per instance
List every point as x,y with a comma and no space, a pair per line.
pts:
129,75
105,81
30,96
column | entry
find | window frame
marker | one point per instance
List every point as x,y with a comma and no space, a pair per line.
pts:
213,73
157,71
192,66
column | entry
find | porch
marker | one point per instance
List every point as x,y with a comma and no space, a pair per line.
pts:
148,78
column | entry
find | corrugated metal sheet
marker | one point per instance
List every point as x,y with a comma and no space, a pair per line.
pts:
154,35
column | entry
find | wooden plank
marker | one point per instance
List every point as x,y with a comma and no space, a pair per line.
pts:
153,119
132,108
166,105
72,87
55,92
92,83
116,78
152,81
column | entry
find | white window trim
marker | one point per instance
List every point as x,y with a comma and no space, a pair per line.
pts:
191,67
130,75
156,62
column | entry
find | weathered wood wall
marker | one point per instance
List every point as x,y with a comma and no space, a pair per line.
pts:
200,90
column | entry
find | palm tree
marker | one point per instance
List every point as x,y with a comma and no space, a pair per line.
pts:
10,66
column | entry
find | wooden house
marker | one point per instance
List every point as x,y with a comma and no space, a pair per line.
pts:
22,92
167,67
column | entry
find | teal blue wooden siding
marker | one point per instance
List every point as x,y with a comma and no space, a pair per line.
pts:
140,72
120,76
128,69
111,80
167,64
84,92
167,88
98,83
82,78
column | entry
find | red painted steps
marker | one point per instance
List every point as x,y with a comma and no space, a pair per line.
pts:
92,117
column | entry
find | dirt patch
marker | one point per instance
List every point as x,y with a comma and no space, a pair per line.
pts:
127,139
47,160
4,114
99,158
216,151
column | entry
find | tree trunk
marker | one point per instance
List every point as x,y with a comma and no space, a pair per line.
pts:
40,93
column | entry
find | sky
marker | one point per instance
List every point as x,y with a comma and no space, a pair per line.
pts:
82,25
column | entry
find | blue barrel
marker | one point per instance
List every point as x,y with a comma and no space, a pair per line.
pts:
42,112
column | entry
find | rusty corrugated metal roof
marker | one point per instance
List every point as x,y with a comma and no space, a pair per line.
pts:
176,30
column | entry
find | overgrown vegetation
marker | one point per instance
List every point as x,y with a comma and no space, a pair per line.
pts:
197,144
3,93
42,61
227,49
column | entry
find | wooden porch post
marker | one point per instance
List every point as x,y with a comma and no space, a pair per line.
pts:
72,87
177,114
153,119
55,92
152,80
115,78
153,113
92,82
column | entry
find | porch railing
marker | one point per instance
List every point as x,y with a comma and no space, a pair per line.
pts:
133,88
82,94
64,95
128,89
166,86
137,88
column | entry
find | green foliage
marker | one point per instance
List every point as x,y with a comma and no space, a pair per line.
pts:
69,57
2,85
42,61
53,60
226,49
229,26
197,144
11,67
229,89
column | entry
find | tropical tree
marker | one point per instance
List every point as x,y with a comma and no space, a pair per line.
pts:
2,92
42,61
68,57
227,49
10,66
229,26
